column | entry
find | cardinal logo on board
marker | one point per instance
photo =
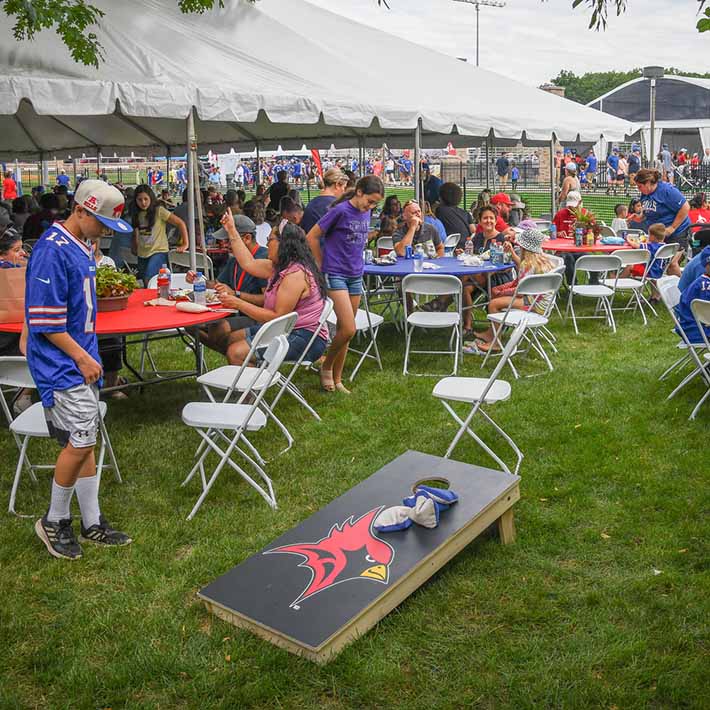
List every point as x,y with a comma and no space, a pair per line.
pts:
350,551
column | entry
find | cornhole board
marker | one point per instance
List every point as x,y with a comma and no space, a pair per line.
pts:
328,580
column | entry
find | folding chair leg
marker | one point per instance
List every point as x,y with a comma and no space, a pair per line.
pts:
678,363
109,447
18,473
699,404
684,382
513,445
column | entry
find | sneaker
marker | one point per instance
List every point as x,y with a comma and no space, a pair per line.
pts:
59,538
104,534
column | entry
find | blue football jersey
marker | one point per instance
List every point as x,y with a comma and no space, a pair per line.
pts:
60,296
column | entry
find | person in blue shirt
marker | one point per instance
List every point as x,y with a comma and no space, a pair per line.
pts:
612,168
432,185
60,342
63,179
694,268
514,176
662,202
698,289
591,169
405,169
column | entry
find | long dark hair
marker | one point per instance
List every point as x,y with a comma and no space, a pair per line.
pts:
368,185
152,207
8,237
293,249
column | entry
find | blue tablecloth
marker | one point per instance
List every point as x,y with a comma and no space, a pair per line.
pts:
448,265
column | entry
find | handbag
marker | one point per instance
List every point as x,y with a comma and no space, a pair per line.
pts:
12,295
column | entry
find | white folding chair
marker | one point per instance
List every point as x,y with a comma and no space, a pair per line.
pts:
176,281
31,424
213,419
606,231
385,292
182,259
701,312
452,241
664,256
632,257
602,293
532,286
434,285
385,244
543,225
479,391
367,325
238,379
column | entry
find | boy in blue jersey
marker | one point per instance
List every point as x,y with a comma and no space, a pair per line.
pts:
60,342
699,289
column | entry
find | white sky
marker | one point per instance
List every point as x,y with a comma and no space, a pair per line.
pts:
532,40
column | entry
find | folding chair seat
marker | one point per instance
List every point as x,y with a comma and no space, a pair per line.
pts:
534,285
212,421
367,325
31,424
478,391
601,292
246,377
435,285
633,286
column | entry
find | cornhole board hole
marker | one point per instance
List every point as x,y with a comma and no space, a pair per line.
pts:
328,580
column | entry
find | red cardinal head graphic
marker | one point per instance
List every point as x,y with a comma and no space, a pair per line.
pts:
349,551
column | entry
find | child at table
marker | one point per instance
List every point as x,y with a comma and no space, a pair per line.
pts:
656,235
619,222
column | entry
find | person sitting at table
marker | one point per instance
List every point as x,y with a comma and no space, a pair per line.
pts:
434,221
698,289
392,208
290,212
279,189
294,284
656,235
150,237
166,200
255,210
565,218
532,260
635,218
503,205
414,231
454,219
39,222
233,280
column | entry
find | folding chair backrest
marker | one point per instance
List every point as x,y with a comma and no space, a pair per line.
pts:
607,231
596,264
182,259
555,260
385,243
431,284
176,281
665,253
14,373
542,224
630,257
539,284
701,312
274,354
452,240
670,293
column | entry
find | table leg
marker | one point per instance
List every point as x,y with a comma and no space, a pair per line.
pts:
506,527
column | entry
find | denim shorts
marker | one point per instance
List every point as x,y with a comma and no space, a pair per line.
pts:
297,342
338,282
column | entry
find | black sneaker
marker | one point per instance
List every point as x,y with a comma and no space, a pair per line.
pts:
59,538
104,534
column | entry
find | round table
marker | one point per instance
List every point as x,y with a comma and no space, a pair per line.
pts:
567,246
448,265
137,318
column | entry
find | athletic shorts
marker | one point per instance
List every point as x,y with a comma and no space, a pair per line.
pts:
74,418
298,340
681,239
611,175
338,282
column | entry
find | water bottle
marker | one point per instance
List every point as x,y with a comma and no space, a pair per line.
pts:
468,247
209,237
419,260
164,282
200,289
553,231
578,236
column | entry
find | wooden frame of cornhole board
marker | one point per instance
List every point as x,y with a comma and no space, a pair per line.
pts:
330,579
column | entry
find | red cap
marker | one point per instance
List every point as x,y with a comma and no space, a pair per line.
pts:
500,198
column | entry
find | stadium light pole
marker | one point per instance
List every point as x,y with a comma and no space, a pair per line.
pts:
478,3
653,73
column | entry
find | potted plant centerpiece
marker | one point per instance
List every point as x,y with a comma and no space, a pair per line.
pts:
587,222
113,289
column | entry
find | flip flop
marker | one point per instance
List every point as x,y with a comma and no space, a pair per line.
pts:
340,387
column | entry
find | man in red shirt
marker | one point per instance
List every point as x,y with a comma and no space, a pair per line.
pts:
9,187
564,219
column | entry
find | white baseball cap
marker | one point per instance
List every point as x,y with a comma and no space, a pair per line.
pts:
104,201
573,198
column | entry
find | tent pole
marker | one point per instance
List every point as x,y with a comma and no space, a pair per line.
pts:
191,145
74,168
257,173
98,162
553,209
167,167
417,161
488,165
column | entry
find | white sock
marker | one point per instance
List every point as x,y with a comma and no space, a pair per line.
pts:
87,493
59,502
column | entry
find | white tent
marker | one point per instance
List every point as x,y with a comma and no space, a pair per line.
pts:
281,72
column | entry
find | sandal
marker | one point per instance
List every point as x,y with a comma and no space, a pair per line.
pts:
340,387
326,380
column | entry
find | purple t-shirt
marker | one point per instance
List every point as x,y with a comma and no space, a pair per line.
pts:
345,230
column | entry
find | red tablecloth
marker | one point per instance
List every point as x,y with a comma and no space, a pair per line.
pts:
568,246
138,318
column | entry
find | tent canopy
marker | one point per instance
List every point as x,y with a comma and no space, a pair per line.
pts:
234,66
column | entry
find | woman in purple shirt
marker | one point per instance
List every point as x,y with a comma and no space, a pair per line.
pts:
344,229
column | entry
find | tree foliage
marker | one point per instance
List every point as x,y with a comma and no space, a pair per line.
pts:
589,86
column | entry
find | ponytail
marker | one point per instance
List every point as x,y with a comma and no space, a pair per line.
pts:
368,185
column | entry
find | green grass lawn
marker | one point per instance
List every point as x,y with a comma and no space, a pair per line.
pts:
600,603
